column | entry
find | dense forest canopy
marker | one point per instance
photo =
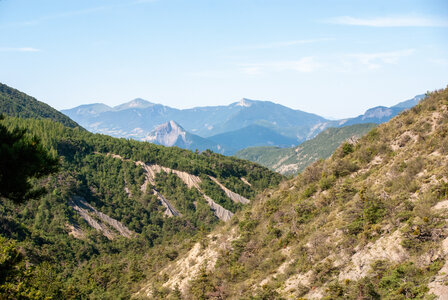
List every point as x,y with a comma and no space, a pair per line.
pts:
22,158
17,104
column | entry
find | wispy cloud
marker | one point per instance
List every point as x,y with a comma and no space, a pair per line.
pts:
377,60
74,13
304,65
20,49
439,61
398,21
283,44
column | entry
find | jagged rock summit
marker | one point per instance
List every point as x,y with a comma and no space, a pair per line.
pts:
172,134
244,102
169,134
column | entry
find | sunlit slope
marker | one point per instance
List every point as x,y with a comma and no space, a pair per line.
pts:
368,223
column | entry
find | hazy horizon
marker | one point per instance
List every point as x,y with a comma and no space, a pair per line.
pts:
331,118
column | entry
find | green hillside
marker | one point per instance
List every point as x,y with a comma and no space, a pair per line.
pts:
102,223
17,104
368,223
289,161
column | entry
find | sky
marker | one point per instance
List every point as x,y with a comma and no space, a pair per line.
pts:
332,58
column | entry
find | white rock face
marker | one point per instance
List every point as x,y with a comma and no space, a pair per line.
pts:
385,248
191,181
108,226
168,134
244,103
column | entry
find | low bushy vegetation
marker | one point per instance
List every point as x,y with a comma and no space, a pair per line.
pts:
299,240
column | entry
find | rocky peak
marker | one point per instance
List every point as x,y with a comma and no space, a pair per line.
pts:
244,102
167,134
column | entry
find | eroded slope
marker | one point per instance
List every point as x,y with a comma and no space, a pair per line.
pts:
368,223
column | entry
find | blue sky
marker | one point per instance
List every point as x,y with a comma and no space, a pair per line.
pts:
333,58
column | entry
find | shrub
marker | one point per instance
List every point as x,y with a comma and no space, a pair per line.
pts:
327,182
347,148
309,191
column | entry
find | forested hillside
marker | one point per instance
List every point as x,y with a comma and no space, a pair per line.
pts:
17,104
114,209
368,223
290,161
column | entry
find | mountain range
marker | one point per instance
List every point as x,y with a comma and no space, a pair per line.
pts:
225,129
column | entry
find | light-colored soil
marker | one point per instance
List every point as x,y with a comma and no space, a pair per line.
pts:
108,226
385,248
234,196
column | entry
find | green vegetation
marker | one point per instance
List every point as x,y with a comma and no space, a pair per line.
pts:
48,250
293,160
22,158
368,223
17,104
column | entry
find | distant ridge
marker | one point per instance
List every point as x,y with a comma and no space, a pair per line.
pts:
226,129
138,119
136,103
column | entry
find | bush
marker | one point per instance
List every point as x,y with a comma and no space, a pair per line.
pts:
347,148
327,182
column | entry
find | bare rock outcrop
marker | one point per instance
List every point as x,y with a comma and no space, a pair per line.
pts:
191,181
101,222
170,210
186,268
220,212
234,196
385,248
245,181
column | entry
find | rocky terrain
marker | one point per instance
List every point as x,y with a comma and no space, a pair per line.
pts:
368,223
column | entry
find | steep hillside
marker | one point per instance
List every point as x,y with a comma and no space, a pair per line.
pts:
18,104
113,202
289,161
368,223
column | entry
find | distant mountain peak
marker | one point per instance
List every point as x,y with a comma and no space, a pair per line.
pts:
175,125
94,108
244,102
136,103
167,134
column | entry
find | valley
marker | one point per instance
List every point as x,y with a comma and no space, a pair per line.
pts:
200,225
223,150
